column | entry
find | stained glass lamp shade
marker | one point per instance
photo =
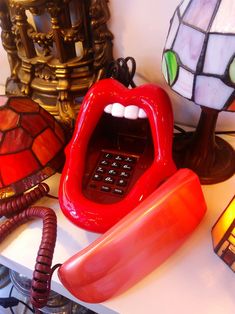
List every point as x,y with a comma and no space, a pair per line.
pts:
223,235
31,145
199,64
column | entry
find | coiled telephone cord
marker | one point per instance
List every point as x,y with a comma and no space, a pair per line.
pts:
15,205
40,287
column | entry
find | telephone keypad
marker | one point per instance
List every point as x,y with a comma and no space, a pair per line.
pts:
108,178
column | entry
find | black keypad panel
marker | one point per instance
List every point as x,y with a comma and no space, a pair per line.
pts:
113,173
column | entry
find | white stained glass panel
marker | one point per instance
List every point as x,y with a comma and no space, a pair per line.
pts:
211,92
219,52
200,12
184,83
183,7
224,21
188,46
173,30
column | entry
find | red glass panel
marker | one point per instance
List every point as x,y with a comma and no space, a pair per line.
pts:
59,132
22,104
232,106
17,166
1,185
45,146
48,117
3,101
8,119
1,135
15,140
34,124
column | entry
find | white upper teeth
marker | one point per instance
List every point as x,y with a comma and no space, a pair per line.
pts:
130,112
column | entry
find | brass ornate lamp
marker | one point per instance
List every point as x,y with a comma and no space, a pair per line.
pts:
56,48
199,64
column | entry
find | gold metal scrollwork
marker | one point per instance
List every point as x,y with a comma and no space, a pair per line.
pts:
56,65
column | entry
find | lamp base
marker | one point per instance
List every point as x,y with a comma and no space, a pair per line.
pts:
211,157
221,167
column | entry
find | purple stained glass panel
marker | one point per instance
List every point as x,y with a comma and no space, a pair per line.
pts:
188,45
200,13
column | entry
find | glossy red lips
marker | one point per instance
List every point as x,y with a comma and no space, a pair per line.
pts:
87,208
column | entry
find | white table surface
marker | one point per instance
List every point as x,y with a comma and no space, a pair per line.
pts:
194,280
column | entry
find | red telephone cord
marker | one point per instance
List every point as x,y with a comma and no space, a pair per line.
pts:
40,287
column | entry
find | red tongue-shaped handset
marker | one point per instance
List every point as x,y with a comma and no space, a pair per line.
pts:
138,243
100,216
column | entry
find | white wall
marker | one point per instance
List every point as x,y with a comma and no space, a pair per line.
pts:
140,28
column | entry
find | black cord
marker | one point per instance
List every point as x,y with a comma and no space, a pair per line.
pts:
123,70
225,132
181,130
178,128
10,293
26,305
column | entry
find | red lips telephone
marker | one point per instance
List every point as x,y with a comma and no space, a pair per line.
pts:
119,154
119,173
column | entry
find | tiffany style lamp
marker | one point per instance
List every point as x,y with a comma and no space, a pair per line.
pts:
199,64
223,235
31,145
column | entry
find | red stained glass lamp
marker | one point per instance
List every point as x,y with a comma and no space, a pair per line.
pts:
31,145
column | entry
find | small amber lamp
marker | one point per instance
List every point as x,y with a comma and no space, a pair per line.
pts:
223,234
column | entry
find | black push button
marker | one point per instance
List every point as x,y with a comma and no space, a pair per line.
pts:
105,188
97,177
124,174
115,165
108,156
122,182
113,172
118,191
130,159
109,180
127,167
104,163
100,170
119,158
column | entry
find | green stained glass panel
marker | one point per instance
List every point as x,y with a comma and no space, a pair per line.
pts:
172,67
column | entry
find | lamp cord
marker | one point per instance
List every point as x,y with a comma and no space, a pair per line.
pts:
123,70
